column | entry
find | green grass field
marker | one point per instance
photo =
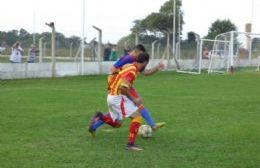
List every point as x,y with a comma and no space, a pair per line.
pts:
213,121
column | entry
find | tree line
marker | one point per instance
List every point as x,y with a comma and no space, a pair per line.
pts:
151,28
157,24
26,38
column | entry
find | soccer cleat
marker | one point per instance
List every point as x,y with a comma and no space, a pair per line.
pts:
93,120
92,132
133,147
159,125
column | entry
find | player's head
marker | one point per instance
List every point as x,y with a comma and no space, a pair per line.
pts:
139,48
142,60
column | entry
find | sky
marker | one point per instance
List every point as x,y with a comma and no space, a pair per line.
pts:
115,17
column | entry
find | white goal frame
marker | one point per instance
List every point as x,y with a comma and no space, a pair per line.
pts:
232,57
198,56
258,63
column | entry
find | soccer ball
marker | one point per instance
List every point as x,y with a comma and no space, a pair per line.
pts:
145,131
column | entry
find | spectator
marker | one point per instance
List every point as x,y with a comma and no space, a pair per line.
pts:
32,54
16,55
107,52
113,54
205,53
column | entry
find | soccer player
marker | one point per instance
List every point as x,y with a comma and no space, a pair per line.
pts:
130,58
121,103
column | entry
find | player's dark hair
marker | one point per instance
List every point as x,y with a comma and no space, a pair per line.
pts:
140,47
143,57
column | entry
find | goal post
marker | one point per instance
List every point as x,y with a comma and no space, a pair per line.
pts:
258,63
228,51
189,56
243,49
198,56
219,59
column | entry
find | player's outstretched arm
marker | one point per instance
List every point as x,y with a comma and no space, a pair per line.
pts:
153,70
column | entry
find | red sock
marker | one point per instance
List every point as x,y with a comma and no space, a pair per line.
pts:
133,130
108,120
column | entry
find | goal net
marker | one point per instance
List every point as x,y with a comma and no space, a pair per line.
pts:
195,56
234,50
219,59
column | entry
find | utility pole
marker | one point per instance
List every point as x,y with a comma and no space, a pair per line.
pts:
34,19
173,27
82,40
53,49
41,49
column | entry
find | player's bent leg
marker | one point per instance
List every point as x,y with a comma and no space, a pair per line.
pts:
146,115
108,120
99,119
133,130
158,126
95,123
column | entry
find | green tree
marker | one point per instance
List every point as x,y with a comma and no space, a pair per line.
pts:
220,26
23,33
26,38
155,25
162,21
137,26
191,37
11,37
3,36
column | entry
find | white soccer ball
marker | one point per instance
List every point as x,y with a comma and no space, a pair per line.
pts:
145,131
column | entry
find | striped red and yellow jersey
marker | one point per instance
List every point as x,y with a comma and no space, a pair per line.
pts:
125,77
